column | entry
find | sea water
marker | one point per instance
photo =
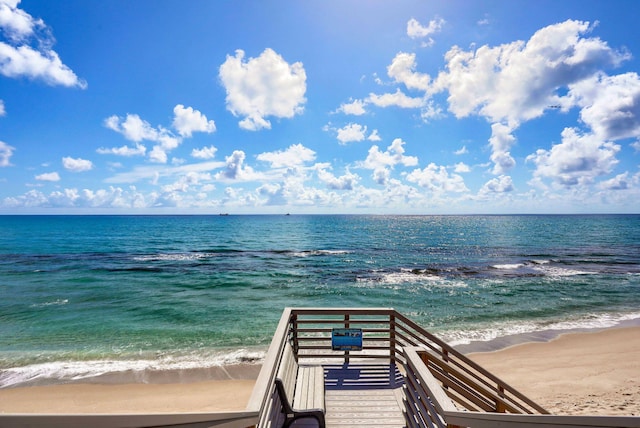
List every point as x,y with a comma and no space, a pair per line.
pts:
83,297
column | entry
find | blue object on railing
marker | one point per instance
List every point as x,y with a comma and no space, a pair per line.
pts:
346,339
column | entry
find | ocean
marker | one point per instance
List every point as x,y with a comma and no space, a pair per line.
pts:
83,298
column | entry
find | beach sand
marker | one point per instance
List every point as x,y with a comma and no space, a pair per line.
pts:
575,374
582,373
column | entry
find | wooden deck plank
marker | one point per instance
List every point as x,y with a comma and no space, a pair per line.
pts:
363,395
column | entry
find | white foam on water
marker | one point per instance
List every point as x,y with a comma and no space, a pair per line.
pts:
58,302
560,272
508,266
170,257
497,330
409,277
61,371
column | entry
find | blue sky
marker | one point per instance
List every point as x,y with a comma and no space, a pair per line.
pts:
389,107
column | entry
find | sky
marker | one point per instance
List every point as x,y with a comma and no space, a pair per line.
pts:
305,107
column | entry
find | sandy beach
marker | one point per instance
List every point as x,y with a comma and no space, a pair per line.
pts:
579,373
575,374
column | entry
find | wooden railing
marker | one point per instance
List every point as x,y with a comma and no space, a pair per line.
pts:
386,334
443,388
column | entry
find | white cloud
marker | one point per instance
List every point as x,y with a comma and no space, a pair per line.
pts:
204,153
501,141
2,109
18,59
415,30
48,176
235,169
461,151
518,81
636,145
153,173
355,108
462,167
261,87
374,136
579,159
345,182
186,182
187,120
45,65
351,132
382,162
402,70
76,165
133,128
501,184
138,150
610,104
16,23
5,154
136,129
619,182
397,99
293,156
437,179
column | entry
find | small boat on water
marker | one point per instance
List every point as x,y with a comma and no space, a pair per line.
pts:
354,367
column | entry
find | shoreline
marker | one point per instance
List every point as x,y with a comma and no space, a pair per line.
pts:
571,372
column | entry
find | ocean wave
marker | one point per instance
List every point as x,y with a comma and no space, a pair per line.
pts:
139,370
408,276
58,302
503,329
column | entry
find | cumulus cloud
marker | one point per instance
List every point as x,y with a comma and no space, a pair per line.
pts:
382,162
187,121
48,176
397,99
619,182
353,132
261,87
462,167
518,81
501,141
204,153
6,151
415,30
374,136
355,108
235,169
501,184
135,129
403,70
346,182
579,159
76,165
294,156
2,109
19,59
610,104
437,179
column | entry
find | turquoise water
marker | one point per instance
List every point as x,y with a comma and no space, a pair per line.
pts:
82,296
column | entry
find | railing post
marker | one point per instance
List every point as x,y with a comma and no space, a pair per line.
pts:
392,338
346,325
294,333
